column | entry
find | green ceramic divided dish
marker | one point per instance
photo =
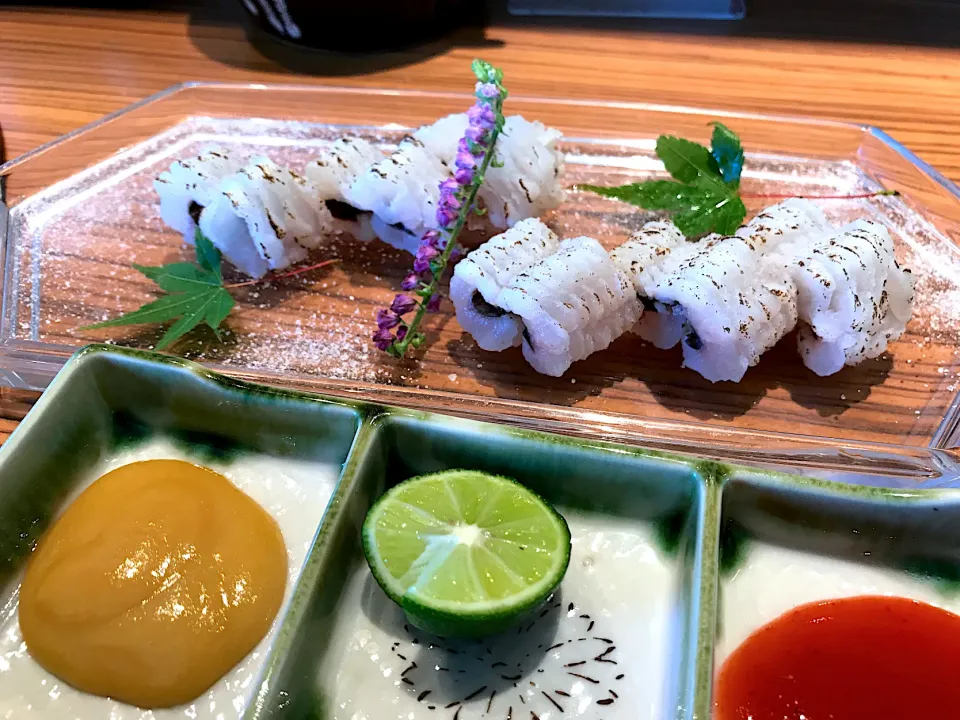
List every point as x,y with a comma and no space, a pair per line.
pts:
675,560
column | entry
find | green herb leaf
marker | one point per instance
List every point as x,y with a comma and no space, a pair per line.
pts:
704,198
713,213
220,306
699,210
727,150
653,194
189,308
687,161
181,277
208,257
197,295
181,327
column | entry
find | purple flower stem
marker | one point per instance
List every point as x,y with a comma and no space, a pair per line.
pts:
495,116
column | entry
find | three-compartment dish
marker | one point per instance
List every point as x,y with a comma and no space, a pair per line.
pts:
674,563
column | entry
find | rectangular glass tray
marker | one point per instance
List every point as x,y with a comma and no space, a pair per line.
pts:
82,210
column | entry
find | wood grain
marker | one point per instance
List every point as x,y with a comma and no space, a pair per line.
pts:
60,69
14,405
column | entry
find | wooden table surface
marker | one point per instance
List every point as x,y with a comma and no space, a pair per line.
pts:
63,68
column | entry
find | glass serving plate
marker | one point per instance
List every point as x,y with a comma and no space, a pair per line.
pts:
82,210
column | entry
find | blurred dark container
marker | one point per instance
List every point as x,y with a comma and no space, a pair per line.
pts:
353,25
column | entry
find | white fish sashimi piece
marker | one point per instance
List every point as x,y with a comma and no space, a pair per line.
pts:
337,168
480,277
404,213
572,304
901,289
641,258
403,188
492,266
227,230
525,180
768,315
333,172
853,297
662,326
526,185
189,185
394,236
646,251
442,138
792,222
836,271
663,323
266,218
736,303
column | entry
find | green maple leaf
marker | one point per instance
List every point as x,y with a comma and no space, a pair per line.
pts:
652,195
698,209
196,295
687,161
180,277
712,213
704,197
208,257
727,150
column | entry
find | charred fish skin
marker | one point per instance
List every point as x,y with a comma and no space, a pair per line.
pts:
731,303
403,188
480,278
640,259
266,217
572,304
191,184
854,299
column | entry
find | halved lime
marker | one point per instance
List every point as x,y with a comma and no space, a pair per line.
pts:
465,553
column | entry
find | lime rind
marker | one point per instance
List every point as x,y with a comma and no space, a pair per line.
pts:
514,554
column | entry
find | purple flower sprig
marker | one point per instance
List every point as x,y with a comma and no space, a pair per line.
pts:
458,194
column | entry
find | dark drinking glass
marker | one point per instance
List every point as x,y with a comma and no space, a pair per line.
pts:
354,25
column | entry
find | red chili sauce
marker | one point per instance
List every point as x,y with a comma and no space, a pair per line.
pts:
859,658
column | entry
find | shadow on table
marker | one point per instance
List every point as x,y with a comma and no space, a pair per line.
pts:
217,28
224,32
